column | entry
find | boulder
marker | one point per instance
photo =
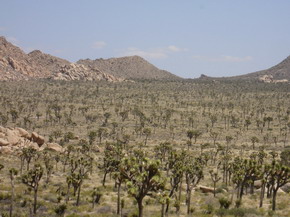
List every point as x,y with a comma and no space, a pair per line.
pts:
205,189
6,150
281,191
2,129
3,142
23,133
53,147
33,145
258,184
34,136
286,188
2,135
96,148
12,137
37,138
40,141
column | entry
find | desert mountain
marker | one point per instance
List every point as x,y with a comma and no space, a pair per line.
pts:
131,67
278,72
275,74
17,65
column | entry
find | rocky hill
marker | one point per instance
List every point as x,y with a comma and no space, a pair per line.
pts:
279,73
17,65
132,67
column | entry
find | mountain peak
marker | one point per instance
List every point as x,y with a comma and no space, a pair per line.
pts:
35,52
3,39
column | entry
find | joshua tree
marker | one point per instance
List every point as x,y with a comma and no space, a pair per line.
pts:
245,172
213,119
190,135
162,150
193,174
112,158
215,178
48,165
214,135
247,123
279,176
32,179
96,196
268,120
147,132
102,132
14,115
107,115
92,136
119,180
143,177
254,140
84,166
176,165
28,154
196,134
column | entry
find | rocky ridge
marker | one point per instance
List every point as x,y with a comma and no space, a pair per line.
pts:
17,65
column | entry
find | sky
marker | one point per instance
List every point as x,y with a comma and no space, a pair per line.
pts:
186,37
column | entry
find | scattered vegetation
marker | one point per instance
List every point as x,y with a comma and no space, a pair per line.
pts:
148,148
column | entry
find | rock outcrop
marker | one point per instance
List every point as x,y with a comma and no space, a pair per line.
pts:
270,79
17,65
80,72
12,140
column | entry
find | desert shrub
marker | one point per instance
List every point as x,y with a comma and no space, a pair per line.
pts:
60,210
221,212
4,214
209,209
240,212
224,203
238,203
4,196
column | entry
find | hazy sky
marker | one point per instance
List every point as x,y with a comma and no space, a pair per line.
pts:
185,37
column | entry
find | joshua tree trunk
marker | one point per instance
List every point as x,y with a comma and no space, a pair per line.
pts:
262,194
274,199
214,187
67,193
162,210
12,197
35,200
188,200
104,178
119,198
140,207
79,193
